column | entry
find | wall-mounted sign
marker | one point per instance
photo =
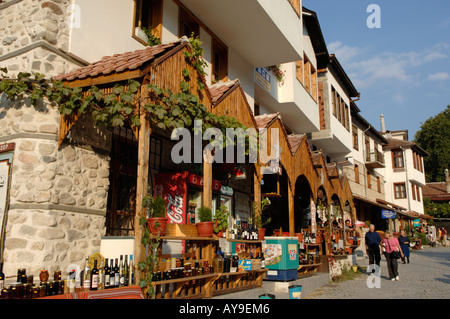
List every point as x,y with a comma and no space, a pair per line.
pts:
416,222
6,158
387,214
262,77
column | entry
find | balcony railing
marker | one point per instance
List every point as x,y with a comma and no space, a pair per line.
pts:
374,159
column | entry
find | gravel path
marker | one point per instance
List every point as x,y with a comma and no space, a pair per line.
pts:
427,276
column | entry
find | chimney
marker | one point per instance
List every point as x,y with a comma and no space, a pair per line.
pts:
447,179
383,125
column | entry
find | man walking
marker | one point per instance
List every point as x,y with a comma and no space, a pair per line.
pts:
373,241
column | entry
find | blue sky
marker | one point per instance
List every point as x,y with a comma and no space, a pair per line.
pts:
401,69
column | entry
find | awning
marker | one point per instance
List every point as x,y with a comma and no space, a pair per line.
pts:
415,215
395,209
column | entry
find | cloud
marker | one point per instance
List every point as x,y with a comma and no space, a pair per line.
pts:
440,76
369,67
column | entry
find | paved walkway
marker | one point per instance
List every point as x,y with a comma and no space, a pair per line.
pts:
427,276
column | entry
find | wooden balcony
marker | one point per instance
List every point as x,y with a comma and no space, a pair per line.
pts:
374,159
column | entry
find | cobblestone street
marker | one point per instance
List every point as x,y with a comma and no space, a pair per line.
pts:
427,276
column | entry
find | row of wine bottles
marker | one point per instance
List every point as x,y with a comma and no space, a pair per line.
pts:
108,275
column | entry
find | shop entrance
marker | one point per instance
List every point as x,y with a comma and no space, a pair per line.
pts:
302,204
275,187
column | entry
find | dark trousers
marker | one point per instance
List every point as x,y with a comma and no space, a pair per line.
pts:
392,266
374,255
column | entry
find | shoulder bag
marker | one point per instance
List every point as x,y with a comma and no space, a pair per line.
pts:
394,254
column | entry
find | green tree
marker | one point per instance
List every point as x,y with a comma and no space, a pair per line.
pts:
434,137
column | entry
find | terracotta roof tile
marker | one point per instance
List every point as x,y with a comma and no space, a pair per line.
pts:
119,62
436,191
217,90
263,120
295,141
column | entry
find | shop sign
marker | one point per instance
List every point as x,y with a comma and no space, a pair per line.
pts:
225,190
416,222
292,250
262,77
387,214
6,158
197,180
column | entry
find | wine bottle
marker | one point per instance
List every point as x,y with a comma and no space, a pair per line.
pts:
112,275
2,277
131,272
116,273
107,274
101,275
94,276
121,269
125,271
87,276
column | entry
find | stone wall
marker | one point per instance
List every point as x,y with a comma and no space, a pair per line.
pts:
34,37
58,197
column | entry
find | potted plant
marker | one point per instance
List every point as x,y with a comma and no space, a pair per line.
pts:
260,221
221,220
205,227
156,208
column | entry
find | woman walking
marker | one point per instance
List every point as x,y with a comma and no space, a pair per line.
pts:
404,244
392,252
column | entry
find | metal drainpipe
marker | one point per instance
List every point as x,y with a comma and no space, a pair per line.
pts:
407,180
365,168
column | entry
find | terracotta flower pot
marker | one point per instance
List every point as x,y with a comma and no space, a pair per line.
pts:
162,225
261,233
205,229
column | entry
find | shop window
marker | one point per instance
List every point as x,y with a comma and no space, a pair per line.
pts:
122,189
121,205
188,25
400,190
219,62
397,158
147,15
155,154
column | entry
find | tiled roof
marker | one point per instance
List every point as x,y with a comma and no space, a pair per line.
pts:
316,156
263,120
393,143
118,63
295,141
436,191
217,90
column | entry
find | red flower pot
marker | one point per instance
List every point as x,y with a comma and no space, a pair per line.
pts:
261,233
205,229
151,222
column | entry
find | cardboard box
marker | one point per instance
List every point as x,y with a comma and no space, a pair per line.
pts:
245,264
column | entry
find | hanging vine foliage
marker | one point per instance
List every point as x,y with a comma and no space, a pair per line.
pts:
167,110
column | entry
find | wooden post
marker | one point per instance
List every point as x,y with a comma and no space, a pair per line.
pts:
257,193
207,178
291,193
141,190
